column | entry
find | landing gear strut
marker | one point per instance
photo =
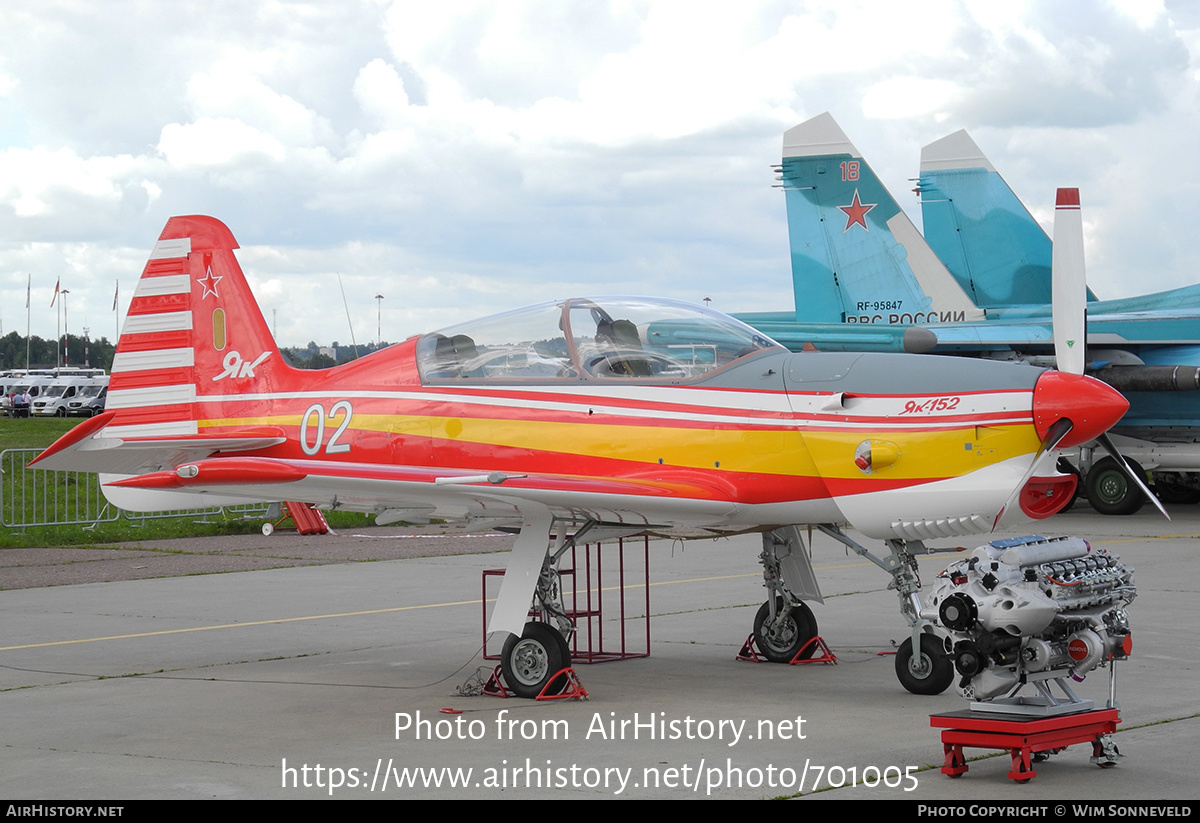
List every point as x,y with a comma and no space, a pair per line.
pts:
929,670
785,623
531,663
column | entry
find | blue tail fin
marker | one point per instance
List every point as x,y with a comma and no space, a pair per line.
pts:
988,240
856,257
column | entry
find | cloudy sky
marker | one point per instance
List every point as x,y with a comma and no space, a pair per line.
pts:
467,157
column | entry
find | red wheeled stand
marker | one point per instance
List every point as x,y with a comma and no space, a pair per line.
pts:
599,579
306,517
1024,737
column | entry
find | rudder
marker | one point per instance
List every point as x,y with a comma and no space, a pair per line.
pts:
193,330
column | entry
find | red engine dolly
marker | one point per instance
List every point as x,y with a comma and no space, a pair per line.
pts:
1027,739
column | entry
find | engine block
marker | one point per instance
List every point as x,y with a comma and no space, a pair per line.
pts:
1031,608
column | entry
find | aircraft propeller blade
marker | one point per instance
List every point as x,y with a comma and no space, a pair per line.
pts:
1060,429
1111,447
1068,284
1069,312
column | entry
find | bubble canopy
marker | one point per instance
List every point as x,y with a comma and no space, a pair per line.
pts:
603,338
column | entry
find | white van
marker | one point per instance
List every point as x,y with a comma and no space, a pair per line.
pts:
52,400
89,399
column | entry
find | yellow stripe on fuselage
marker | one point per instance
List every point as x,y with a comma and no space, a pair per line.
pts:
828,454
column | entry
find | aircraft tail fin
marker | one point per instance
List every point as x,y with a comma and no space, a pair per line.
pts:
194,333
856,256
978,227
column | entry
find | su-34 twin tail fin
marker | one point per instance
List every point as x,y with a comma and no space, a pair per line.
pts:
856,256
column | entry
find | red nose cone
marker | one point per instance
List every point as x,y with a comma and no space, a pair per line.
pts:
1092,407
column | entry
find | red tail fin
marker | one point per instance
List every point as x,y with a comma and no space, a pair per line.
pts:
194,330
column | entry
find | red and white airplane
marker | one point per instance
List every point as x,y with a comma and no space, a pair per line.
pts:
580,419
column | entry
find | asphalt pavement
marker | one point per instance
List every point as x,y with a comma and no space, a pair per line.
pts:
329,682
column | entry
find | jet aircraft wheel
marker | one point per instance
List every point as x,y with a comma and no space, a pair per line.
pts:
1110,491
530,661
931,673
1176,494
781,645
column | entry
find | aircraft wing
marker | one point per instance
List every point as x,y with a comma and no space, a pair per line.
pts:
324,479
154,473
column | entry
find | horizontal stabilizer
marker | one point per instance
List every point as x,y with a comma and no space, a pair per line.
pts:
87,448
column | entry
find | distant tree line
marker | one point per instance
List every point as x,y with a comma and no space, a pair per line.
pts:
46,354
313,356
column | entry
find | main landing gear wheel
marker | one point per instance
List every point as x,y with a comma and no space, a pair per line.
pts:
1110,491
1176,494
780,644
529,662
930,673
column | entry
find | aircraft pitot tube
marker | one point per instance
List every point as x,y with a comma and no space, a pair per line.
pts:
1032,609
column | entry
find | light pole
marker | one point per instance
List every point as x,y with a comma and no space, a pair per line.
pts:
378,320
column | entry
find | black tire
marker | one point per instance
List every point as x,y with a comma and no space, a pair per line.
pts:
800,627
935,672
1175,494
529,662
60,412
1110,491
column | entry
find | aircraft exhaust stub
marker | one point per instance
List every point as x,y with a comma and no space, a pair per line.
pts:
1032,610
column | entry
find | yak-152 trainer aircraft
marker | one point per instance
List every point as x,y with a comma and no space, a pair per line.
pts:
577,420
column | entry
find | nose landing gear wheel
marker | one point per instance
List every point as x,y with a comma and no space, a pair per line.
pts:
929,673
780,643
529,662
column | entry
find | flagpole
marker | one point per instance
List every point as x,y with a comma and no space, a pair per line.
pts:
66,330
28,291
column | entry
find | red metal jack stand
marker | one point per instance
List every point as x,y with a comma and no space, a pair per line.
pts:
749,652
1023,737
574,690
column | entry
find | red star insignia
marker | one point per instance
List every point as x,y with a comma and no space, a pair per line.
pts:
856,212
210,284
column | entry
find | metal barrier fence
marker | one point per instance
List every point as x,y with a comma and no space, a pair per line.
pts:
36,497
